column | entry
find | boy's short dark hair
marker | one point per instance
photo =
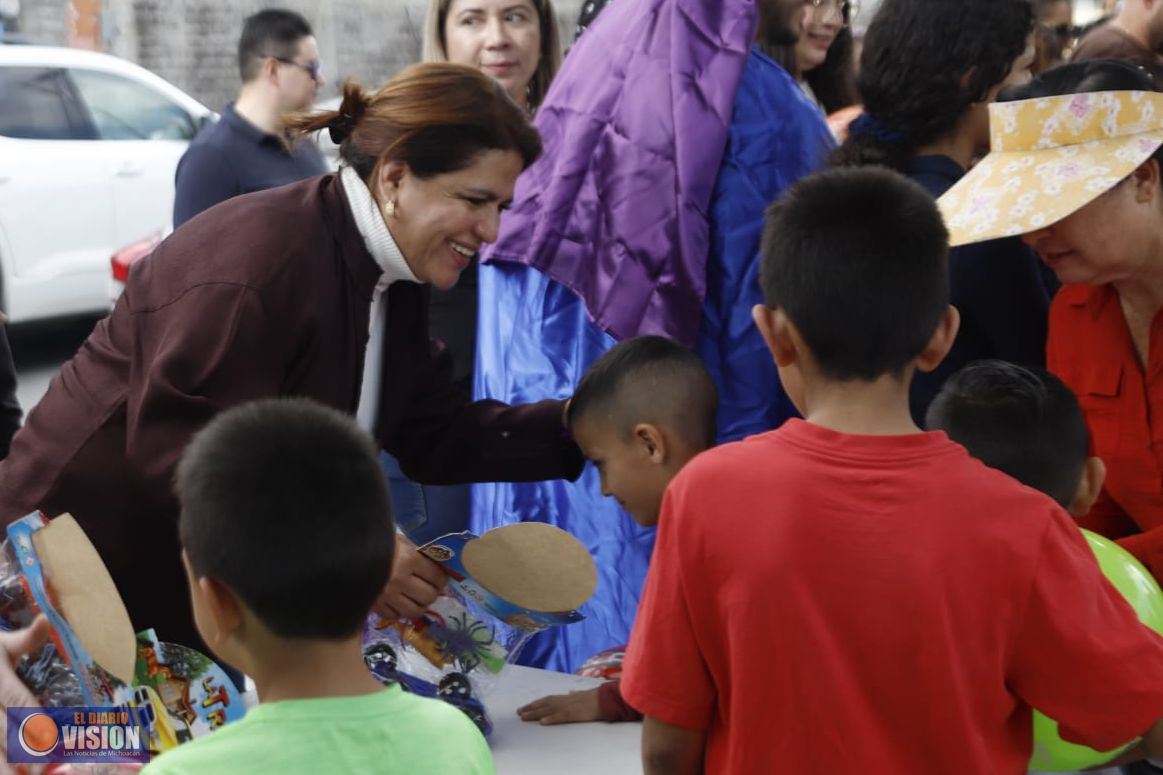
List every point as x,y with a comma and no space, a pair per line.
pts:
275,32
284,502
858,259
1020,420
650,379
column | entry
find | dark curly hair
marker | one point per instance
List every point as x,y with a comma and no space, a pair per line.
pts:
917,53
1089,75
834,81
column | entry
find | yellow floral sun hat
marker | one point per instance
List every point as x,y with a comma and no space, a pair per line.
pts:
1049,157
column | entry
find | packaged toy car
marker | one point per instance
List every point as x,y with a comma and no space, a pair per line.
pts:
504,587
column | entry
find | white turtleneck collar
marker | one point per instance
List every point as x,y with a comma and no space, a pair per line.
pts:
391,261
374,231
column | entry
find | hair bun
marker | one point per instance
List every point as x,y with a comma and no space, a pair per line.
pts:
350,111
340,127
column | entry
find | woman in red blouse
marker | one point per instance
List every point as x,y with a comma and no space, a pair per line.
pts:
1086,191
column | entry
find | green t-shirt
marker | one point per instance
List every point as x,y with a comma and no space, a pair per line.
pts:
385,732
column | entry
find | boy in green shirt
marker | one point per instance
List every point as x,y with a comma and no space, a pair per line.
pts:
287,540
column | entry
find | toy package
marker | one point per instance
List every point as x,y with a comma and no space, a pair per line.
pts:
606,665
93,658
52,568
505,586
183,692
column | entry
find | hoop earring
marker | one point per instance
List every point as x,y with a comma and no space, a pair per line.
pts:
390,208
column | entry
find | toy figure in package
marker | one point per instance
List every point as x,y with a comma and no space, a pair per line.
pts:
504,587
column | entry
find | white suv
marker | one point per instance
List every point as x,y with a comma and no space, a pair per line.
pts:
88,148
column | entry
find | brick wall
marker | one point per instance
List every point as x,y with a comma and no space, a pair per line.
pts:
45,20
191,43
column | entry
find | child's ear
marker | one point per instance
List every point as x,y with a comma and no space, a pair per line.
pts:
222,605
1089,487
652,441
776,329
219,610
941,341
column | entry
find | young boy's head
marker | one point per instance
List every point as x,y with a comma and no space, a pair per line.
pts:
1025,423
286,526
855,280
640,413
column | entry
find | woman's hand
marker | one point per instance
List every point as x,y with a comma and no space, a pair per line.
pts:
415,583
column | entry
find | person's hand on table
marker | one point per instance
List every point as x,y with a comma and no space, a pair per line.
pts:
415,583
13,692
563,708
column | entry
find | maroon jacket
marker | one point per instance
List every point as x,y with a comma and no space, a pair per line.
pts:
267,294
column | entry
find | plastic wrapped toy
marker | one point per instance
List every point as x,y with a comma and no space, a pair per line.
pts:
606,665
82,600
92,657
458,648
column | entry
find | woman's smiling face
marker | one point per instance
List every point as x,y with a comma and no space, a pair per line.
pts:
821,26
441,222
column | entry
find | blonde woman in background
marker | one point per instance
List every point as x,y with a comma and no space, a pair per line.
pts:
517,43
514,41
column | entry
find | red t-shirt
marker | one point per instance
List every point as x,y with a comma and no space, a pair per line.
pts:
1090,349
820,601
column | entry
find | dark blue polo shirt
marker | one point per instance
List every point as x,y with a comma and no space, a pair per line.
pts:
232,157
1001,289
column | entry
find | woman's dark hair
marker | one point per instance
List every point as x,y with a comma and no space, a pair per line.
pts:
435,117
1090,75
834,81
925,62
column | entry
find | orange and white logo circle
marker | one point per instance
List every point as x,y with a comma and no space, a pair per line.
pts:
39,734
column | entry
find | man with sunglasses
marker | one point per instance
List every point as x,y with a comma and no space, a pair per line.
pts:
248,150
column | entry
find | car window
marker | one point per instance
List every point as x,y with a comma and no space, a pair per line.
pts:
36,103
123,109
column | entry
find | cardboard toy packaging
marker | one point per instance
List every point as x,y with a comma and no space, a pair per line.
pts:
505,586
93,658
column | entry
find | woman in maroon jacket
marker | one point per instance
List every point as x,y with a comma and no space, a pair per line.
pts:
314,289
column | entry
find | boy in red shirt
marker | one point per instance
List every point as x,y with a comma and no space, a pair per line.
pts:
849,591
639,414
1025,422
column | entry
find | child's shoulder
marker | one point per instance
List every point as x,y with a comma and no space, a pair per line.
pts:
798,456
275,735
434,712
734,453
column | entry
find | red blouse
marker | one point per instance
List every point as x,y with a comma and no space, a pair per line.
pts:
1091,350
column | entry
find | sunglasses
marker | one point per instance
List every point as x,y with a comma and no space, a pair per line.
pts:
847,8
313,69
1065,31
